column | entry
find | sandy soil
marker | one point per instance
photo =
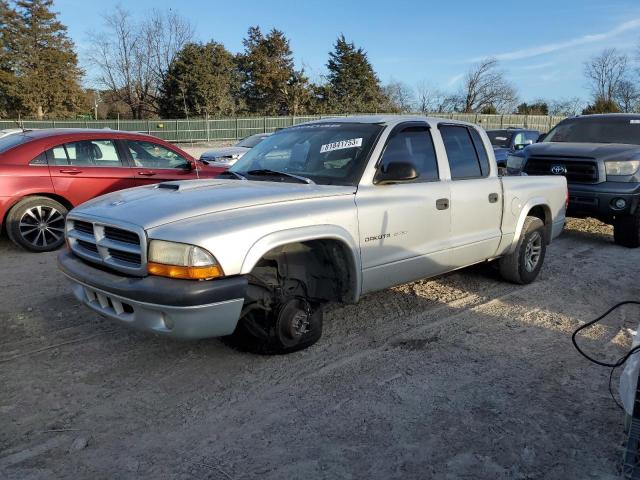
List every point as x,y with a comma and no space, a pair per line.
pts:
460,377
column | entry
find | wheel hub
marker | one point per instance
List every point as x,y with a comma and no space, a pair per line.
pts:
294,319
532,252
42,226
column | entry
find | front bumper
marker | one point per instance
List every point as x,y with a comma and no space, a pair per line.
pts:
597,200
182,309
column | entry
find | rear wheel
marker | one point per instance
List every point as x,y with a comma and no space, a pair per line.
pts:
523,265
626,230
37,224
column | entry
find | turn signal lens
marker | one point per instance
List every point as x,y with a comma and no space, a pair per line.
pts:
181,260
187,273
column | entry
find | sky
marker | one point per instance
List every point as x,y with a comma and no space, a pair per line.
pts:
541,45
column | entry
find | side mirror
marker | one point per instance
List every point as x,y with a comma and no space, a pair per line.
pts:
541,137
396,172
191,165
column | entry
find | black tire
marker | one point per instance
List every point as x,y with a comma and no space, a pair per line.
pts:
626,230
520,266
269,332
37,224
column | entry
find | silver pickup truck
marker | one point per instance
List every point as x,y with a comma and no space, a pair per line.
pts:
325,211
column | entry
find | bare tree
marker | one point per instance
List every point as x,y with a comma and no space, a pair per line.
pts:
627,96
133,57
605,72
567,107
485,87
400,96
430,99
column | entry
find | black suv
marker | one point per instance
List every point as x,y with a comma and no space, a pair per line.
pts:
600,156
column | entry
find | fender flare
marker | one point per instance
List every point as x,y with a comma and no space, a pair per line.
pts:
534,202
305,234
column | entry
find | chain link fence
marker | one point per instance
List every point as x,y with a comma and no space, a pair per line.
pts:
217,129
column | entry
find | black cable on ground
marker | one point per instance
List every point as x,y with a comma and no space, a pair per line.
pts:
621,360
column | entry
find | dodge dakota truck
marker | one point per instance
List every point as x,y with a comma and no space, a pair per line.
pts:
321,212
600,157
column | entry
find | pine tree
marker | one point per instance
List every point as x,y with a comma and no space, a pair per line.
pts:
8,81
271,84
353,85
202,80
41,56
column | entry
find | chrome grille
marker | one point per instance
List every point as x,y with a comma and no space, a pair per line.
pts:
121,248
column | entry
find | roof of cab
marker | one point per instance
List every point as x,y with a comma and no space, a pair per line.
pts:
390,120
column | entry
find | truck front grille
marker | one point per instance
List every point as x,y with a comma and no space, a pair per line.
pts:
577,170
115,247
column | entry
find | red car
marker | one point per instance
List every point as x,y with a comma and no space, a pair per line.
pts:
45,173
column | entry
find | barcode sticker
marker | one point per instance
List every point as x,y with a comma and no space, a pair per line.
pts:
342,144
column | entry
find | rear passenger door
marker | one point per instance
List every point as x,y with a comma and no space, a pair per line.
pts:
476,196
84,169
153,163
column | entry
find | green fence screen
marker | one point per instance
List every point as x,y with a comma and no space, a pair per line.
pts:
226,129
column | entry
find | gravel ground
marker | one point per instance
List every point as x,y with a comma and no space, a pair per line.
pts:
460,377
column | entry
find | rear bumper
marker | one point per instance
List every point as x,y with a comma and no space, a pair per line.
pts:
598,200
180,309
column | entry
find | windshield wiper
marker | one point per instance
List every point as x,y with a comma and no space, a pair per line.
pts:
235,174
266,171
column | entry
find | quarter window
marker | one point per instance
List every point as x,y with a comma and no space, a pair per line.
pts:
413,145
482,152
463,159
152,155
88,153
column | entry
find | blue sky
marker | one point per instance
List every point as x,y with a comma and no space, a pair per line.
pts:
541,44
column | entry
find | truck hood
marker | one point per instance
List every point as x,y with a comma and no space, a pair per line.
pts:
599,151
155,205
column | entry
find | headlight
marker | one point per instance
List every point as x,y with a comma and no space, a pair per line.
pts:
180,260
628,167
514,162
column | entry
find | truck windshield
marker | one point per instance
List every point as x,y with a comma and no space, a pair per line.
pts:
597,130
500,138
326,153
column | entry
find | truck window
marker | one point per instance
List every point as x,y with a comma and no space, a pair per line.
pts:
463,159
414,145
481,151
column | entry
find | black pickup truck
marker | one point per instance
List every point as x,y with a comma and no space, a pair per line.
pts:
600,156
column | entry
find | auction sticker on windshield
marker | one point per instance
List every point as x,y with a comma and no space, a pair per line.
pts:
342,144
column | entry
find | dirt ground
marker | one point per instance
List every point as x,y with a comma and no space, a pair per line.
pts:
460,377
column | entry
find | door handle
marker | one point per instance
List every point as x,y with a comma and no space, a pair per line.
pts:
442,203
493,197
70,171
148,173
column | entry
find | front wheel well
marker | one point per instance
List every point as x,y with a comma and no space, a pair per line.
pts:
321,270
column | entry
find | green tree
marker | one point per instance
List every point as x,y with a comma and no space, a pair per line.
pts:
9,100
601,105
40,55
270,83
202,80
353,85
538,108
